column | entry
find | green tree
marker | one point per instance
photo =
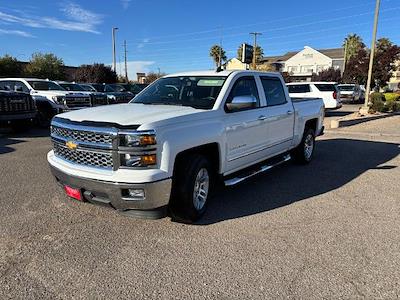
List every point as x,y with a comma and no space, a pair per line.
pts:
46,65
10,67
330,74
99,73
357,68
259,53
152,76
386,55
218,54
354,44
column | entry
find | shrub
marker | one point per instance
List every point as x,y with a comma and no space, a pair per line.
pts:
377,100
392,96
392,105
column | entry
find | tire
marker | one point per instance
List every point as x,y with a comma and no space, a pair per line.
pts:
304,152
192,184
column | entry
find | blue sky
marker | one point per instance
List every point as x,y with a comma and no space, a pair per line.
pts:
176,35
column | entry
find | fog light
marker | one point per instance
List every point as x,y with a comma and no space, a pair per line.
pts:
136,194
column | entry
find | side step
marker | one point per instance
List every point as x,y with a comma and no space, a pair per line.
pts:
254,172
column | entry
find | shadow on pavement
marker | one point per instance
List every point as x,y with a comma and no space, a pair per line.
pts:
8,137
336,162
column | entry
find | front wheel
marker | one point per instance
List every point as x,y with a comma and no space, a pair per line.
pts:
304,152
191,188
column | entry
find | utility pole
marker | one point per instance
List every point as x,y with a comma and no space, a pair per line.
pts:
254,48
126,64
114,29
371,58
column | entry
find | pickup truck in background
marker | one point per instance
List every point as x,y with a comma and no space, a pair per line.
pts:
49,97
16,109
116,93
166,149
327,91
351,92
96,98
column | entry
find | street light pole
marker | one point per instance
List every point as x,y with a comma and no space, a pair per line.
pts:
113,48
371,58
255,48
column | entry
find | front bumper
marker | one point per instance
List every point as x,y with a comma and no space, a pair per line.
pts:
113,194
18,116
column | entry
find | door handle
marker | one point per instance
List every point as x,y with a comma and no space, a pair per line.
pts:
262,118
289,112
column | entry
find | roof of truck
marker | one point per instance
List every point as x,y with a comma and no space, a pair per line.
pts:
215,73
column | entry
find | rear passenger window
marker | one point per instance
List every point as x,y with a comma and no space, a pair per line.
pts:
273,90
326,87
299,88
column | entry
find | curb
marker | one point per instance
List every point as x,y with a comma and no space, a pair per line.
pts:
350,122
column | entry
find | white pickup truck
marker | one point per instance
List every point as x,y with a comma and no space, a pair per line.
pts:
176,138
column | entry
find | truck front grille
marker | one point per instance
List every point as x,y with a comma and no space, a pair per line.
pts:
77,102
16,104
82,135
84,157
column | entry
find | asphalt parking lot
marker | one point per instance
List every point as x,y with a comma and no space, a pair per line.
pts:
327,230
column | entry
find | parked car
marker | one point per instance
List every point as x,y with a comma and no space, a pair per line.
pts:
169,145
96,98
16,109
325,90
50,98
134,88
351,92
115,92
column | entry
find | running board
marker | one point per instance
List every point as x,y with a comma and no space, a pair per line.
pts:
261,169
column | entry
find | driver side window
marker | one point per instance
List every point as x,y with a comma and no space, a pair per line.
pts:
247,87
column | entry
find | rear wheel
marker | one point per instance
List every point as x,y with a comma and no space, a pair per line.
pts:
191,188
304,152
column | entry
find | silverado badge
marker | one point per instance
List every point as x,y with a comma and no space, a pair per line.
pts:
71,145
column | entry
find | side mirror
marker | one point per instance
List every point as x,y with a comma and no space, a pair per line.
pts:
18,88
242,102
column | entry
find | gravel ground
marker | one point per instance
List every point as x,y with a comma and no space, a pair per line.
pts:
327,230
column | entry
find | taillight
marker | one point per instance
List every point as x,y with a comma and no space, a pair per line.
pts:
334,95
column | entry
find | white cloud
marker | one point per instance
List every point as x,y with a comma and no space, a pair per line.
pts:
143,43
135,66
125,3
16,33
76,19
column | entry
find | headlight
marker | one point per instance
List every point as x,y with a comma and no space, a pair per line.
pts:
139,139
58,99
135,160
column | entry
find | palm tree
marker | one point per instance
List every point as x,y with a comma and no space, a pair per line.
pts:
354,44
218,54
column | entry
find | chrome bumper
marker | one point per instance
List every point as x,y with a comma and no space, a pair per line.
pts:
114,194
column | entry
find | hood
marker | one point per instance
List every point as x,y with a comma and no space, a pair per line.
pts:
119,93
56,93
129,114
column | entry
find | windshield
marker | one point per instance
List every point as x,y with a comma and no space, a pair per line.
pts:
99,87
87,88
348,88
72,87
117,88
45,86
197,92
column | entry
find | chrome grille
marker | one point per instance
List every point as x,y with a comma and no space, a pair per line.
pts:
84,157
82,136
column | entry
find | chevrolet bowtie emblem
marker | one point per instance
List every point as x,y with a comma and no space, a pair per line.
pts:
71,145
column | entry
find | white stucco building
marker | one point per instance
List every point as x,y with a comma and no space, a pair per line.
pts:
300,65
